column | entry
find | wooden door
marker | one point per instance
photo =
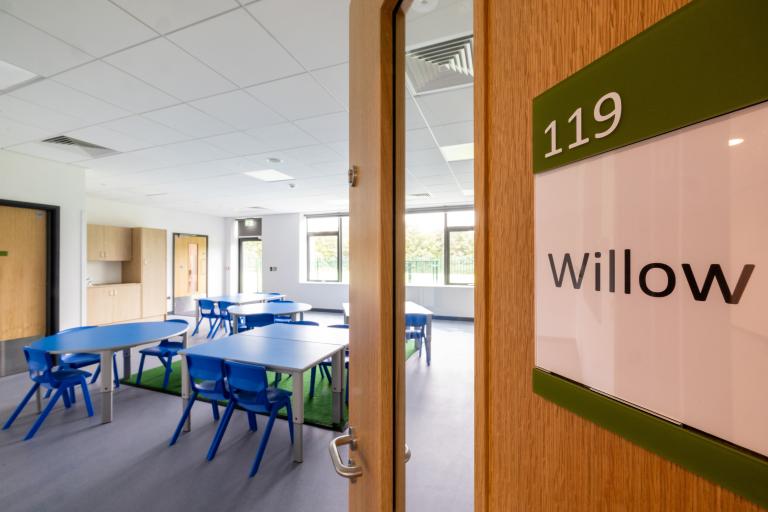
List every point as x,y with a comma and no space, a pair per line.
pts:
190,259
377,298
23,273
530,454
95,242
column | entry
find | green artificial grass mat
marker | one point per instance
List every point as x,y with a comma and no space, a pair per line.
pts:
318,410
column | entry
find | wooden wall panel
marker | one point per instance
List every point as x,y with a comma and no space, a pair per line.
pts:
530,454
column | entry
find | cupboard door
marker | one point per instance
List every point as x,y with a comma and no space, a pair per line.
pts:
153,273
117,243
126,302
99,305
95,242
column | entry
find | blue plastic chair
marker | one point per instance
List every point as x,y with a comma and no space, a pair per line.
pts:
251,321
416,329
81,360
206,378
283,318
43,373
207,310
304,322
165,352
328,364
273,294
224,319
248,390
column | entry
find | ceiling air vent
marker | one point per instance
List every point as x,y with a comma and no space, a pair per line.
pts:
420,194
439,66
87,149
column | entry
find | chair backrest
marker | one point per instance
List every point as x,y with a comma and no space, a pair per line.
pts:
223,305
340,326
303,322
75,329
208,369
206,307
39,364
415,320
250,378
261,320
283,301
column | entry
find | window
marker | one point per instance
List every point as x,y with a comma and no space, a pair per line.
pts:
440,248
460,247
328,249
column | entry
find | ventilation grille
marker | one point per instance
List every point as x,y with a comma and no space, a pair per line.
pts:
85,148
420,194
439,66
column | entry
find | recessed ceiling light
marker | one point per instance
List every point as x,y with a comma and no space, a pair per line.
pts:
458,152
470,192
735,142
269,175
12,76
273,160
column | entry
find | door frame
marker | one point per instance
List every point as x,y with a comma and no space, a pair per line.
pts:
53,250
173,265
240,241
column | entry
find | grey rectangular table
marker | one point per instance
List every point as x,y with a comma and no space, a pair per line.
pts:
411,308
283,355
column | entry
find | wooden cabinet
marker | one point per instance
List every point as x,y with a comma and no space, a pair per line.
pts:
112,303
148,266
109,243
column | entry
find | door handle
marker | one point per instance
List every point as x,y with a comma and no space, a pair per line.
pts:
407,454
350,470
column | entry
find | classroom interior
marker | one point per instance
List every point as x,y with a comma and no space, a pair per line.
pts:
185,167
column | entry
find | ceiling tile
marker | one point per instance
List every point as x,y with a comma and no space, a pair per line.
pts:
108,138
48,151
239,110
311,155
41,117
189,121
282,136
319,37
463,166
238,143
454,133
135,161
428,170
163,65
29,48
116,87
13,132
329,128
297,97
413,118
97,27
336,80
66,100
423,157
419,139
342,148
167,15
237,47
145,130
448,107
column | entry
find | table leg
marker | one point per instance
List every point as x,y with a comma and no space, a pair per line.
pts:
297,403
235,323
127,363
106,387
346,318
337,374
429,340
185,391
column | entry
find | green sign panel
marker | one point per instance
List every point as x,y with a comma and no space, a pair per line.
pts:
708,59
3,253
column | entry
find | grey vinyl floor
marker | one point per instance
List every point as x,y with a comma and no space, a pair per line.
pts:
75,463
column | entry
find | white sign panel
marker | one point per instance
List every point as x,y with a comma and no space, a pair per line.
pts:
652,275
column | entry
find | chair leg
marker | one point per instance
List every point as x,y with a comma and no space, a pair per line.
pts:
312,382
220,431
141,369
289,413
184,415
215,407
197,326
86,396
72,397
278,377
327,373
168,371
252,421
263,443
215,329
67,397
114,371
21,406
48,393
95,375
59,392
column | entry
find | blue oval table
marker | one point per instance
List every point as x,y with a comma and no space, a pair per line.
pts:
106,341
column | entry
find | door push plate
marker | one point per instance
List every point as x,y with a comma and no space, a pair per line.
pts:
352,176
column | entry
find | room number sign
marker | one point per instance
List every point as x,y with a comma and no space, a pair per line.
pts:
612,114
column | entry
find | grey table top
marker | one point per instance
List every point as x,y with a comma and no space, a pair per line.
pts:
244,298
303,333
411,308
273,308
279,354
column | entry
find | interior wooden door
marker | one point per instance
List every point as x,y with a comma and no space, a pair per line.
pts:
376,297
532,455
23,281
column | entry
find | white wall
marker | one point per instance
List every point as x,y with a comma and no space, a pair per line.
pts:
283,247
113,213
34,180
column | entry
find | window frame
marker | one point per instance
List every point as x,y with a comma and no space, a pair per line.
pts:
337,234
447,250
